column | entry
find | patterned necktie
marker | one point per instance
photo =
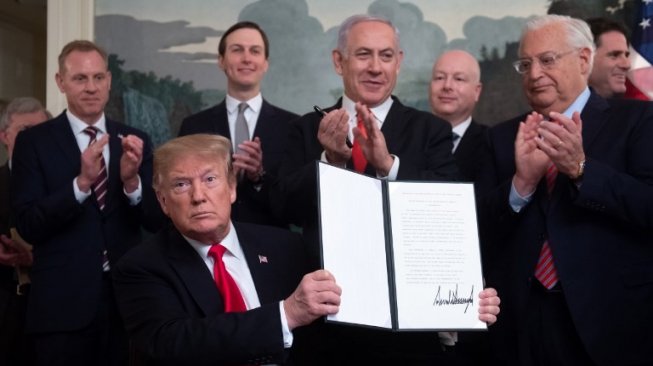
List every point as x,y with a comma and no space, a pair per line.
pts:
545,271
242,131
99,187
233,299
356,151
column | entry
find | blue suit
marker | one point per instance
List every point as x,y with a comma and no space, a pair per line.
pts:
68,236
601,234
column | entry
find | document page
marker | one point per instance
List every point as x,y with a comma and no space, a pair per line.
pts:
353,244
436,255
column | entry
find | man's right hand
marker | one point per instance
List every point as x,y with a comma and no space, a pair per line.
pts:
91,163
14,254
317,295
332,134
531,163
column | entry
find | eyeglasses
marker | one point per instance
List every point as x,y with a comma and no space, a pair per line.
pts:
547,61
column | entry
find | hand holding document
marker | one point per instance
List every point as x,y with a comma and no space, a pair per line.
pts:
406,254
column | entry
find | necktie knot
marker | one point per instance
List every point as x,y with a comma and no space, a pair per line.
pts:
454,137
242,107
217,251
91,131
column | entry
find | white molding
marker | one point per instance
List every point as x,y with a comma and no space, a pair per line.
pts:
67,20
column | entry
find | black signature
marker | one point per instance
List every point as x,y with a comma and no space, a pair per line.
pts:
453,299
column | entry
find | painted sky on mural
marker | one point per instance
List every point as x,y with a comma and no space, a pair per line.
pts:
163,37
448,15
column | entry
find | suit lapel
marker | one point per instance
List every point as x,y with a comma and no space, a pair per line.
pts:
62,133
115,153
221,124
257,261
594,117
193,273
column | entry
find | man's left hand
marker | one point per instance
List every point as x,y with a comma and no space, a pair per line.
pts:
130,161
373,142
562,141
249,160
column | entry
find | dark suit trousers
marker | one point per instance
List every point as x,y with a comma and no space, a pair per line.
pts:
552,337
101,343
14,344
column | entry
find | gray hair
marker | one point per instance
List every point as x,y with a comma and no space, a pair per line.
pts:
350,22
21,105
578,32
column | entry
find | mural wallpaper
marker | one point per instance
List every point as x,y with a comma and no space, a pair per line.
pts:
163,53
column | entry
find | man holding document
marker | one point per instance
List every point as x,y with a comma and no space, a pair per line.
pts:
371,132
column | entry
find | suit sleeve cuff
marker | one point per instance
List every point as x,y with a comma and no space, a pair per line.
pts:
136,196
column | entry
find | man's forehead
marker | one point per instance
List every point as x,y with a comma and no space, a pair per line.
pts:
549,38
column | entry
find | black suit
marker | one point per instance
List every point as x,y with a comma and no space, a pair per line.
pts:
68,284
471,152
13,343
601,236
175,314
423,144
252,203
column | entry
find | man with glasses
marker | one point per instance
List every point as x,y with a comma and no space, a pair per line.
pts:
570,211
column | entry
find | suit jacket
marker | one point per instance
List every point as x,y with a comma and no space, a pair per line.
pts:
601,234
175,314
471,152
423,144
7,280
252,203
68,236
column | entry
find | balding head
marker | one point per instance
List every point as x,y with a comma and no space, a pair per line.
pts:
455,86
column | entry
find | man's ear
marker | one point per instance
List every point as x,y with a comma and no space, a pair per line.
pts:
337,58
162,202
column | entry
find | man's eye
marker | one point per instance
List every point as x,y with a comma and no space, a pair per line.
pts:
547,60
525,65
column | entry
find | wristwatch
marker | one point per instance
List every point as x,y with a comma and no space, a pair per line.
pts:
581,170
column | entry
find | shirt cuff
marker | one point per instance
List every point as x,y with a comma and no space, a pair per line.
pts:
287,334
79,195
518,202
136,196
394,170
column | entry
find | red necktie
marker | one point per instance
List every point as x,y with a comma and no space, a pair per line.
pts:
356,151
99,187
545,271
233,299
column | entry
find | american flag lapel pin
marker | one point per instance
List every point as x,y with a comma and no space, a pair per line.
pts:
262,259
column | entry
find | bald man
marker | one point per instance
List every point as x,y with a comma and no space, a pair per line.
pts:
455,90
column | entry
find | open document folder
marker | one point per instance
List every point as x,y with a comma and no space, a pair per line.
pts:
406,254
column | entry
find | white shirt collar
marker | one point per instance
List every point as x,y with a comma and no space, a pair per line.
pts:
230,242
78,125
254,104
380,111
462,127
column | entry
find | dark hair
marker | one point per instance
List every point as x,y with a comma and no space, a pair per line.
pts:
222,46
604,25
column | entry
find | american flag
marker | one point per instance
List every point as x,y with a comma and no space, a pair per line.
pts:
262,259
640,78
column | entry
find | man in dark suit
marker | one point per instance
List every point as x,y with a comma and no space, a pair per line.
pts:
81,197
571,210
390,141
243,56
15,255
173,309
455,90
